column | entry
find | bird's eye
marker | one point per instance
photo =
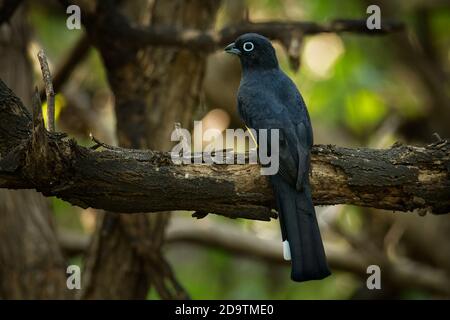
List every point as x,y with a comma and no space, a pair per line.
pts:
248,46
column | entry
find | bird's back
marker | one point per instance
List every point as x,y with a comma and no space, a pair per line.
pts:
271,94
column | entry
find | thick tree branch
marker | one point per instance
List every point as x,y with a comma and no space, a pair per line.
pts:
402,178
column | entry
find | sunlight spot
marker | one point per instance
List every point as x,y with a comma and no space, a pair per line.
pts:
321,53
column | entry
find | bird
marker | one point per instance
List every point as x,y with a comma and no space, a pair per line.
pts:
268,99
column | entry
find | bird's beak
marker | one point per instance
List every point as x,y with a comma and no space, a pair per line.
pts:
231,48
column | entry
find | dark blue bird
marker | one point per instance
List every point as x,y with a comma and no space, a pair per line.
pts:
268,99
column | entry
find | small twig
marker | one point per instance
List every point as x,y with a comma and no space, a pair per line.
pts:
99,144
47,77
437,136
439,141
76,55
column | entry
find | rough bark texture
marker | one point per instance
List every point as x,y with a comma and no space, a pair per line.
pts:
402,178
153,88
31,262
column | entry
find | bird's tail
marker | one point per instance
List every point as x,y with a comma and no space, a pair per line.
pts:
300,229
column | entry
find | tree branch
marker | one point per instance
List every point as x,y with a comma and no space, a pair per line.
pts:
69,64
402,178
7,9
231,239
108,28
50,93
404,274
275,30
108,24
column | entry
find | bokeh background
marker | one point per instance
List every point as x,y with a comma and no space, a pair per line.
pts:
360,90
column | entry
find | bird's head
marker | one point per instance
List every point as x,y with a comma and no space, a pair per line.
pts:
255,52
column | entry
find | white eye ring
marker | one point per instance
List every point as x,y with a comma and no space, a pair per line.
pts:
248,46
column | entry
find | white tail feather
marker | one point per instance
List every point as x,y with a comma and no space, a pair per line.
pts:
286,251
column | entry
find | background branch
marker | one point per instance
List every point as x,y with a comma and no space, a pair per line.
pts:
275,30
7,9
109,28
233,240
118,25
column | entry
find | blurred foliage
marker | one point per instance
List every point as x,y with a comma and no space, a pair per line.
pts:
60,103
66,215
213,274
350,220
58,42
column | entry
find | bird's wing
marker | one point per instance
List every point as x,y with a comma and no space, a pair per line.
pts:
294,154
293,137
302,139
303,149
